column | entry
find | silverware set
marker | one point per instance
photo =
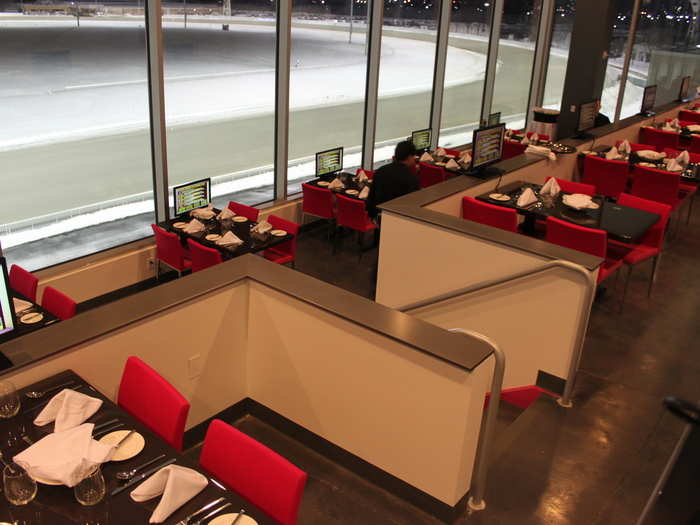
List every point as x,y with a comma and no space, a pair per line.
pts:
126,475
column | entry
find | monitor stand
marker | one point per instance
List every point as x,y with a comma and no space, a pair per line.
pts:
486,172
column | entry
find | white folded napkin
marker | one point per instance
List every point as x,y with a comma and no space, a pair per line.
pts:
204,213
452,165
177,484
650,154
21,305
426,157
694,128
262,227
579,201
542,151
683,158
362,176
668,127
226,213
526,198
613,154
66,457
194,226
509,132
440,152
465,157
674,165
336,184
675,124
525,140
625,147
364,193
229,239
534,138
551,187
69,409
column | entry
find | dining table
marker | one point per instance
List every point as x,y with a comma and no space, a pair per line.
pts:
691,174
56,504
622,223
349,181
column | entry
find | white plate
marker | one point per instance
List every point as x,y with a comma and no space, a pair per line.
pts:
179,225
213,237
129,448
239,218
45,481
499,197
352,192
31,318
278,233
227,519
320,183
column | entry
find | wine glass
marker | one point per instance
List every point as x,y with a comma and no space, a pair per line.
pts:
9,400
19,488
91,489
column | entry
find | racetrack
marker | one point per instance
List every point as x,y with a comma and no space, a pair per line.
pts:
74,108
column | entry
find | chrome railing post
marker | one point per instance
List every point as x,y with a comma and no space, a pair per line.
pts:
481,462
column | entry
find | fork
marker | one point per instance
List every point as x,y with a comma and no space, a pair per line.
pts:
200,521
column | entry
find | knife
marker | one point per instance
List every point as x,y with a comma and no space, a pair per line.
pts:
204,508
104,425
105,431
143,476
121,441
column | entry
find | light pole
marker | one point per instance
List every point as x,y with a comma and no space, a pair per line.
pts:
352,2
227,12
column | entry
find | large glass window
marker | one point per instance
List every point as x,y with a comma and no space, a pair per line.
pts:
74,134
616,60
327,84
464,72
562,27
220,98
409,37
516,53
665,50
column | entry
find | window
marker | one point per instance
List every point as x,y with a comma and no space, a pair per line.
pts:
409,37
516,53
74,140
220,98
616,60
464,72
327,84
562,27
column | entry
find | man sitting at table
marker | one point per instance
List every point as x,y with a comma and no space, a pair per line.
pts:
395,179
600,118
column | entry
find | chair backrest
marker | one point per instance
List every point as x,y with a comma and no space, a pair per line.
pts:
656,185
369,173
257,473
430,175
654,237
569,235
489,214
568,186
453,152
689,116
659,138
23,282
248,212
351,213
148,397
636,146
608,176
289,247
673,153
695,144
58,303
168,248
512,148
317,201
203,257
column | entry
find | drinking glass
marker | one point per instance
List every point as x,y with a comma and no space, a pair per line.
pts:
92,489
19,488
9,400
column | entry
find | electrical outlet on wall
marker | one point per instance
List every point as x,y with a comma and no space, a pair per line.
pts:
194,366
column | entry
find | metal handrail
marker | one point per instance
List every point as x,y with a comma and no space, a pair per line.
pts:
481,462
565,399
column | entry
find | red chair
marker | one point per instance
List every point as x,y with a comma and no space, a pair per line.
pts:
23,282
568,186
287,251
369,173
429,175
587,240
673,153
58,303
453,152
689,116
203,257
317,201
169,251
148,397
652,242
352,213
695,144
657,185
490,214
636,146
257,473
248,212
608,176
512,148
659,138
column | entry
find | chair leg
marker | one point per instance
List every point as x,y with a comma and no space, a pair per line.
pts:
653,274
690,209
359,245
157,269
624,292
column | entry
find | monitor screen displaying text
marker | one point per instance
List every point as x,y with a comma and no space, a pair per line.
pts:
191,196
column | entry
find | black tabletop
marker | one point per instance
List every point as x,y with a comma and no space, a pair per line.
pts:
350,182
252,242
691,174
25,328
622,223
56,505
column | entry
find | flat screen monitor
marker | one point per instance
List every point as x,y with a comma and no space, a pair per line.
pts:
685,89
7,309
487,145
191,196
494,118
586,116
329,162
421,139
649,99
